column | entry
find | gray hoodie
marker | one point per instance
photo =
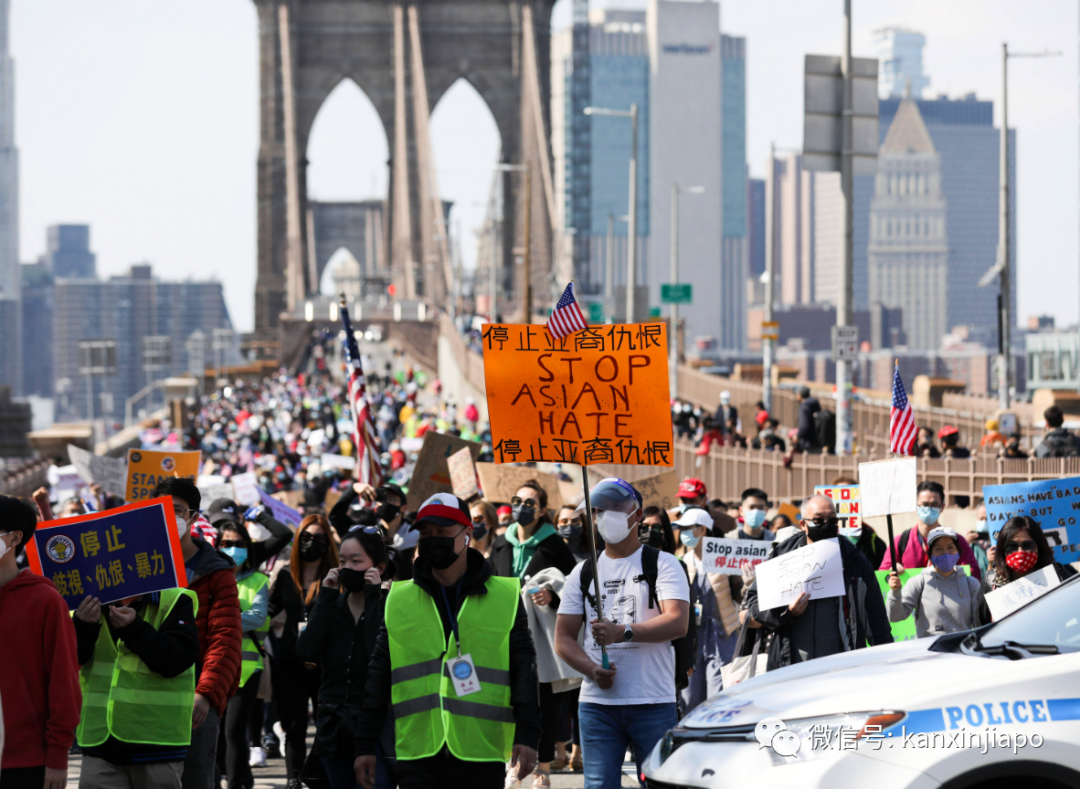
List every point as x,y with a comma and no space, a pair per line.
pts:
941,605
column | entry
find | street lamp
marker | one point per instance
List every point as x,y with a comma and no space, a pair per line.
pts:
609,268
526,291
1004,236
631,232
769,332
673,340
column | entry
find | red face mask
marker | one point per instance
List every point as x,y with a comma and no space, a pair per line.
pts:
1021,561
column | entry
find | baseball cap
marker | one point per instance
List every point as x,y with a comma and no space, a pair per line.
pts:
390,488
694,517
612,493
221,510
691,488
443,509
504,510
948,430
941,531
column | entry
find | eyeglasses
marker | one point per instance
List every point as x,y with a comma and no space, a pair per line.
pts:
185,513
517,502
823,521
1026,545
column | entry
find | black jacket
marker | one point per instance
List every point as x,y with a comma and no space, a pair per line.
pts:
551,552
524,691
866,618
280,536
807,437
1059,443
339,513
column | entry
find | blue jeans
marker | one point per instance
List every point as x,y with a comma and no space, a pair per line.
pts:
606,730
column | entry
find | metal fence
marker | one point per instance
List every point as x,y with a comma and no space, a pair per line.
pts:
23,479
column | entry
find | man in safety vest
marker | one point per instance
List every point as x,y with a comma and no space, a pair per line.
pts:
456,662
138,687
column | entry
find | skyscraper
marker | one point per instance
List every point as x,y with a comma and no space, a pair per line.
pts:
909,246
68,252
735,249
10,308
899,52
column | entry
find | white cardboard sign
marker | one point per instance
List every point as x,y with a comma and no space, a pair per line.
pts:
110,473
1008,598
815,568
245,489
887,487
725,557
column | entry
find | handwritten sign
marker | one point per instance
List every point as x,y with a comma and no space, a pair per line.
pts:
722,556
110,473
280,510
1006,599
815,568
1053,504
245,489
598,396
501,483
110,555
213,486
846,500
148,467
431,474
888,487
463,474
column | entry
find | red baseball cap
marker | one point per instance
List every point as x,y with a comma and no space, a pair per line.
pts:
504,510
691,488
948,430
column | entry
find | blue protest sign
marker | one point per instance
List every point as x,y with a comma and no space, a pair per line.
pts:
1054,504
280,510
111,555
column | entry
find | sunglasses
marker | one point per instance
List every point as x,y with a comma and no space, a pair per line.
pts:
820,521
231,544
1026,545
517,501
367,529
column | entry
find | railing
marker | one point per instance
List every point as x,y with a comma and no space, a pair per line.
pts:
470,363
727,471
24,479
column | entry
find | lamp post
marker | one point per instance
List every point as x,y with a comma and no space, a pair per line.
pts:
673,340
526,274
768,335
631,232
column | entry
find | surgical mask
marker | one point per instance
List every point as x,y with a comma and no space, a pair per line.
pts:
929,515
237,554
4,547
980,526
387,512
181,526
683,508
523,515
689,539
754,519
945,562
438,551
613,526
570,531
351,580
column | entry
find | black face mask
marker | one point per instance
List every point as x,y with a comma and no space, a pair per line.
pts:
479,530
571,532
387,512
818,533
523,515
312,548
438,551
351,580
652,537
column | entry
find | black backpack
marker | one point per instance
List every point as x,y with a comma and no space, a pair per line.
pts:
1061,445
825,428
685,647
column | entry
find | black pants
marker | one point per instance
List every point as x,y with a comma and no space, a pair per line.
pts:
294,688
448,772
234,732
23,778
552,722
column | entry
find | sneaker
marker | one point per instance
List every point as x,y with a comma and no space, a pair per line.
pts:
541,780
257,758
512,781
279,731
270,747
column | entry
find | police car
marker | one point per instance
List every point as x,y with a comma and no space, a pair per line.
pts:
972,710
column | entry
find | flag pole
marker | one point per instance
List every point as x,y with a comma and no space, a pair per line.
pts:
888,516
596,564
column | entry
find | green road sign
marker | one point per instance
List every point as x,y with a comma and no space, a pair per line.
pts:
677,293
596,312
654,312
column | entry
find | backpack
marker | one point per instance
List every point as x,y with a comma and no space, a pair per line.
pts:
1061,445
685,647
825,428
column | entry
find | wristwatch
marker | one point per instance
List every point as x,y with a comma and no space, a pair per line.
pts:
628,634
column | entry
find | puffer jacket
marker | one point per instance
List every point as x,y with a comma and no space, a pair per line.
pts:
524,690
218,620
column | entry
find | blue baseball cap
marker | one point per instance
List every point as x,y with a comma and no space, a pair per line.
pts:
613,493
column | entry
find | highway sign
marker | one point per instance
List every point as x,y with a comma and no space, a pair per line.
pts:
676,293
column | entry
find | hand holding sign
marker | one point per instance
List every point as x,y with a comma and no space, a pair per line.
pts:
729,557
815,569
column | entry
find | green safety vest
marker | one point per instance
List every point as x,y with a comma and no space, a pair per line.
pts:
251,656
122,697
427,711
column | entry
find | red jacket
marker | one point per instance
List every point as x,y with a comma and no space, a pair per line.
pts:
39,674
218,620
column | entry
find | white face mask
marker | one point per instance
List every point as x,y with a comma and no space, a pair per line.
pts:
4,547
181,527
980,526
613,526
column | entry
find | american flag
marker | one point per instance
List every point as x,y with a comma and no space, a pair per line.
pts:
368,468
902,429
566,318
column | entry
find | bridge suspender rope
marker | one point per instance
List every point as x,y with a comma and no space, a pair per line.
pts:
294,272
401,233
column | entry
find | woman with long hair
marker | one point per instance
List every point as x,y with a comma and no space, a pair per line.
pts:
655,530
1021,549
293,594
485,521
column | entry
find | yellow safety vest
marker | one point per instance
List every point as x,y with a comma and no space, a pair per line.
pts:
251,658
427,711
122,697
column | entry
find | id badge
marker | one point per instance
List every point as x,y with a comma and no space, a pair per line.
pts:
463,675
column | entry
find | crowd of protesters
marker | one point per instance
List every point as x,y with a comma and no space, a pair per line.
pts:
445,642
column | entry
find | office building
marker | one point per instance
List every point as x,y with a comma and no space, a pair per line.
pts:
37,330
151,323
10,329
899,53
755,210
67,252
735,249
909,245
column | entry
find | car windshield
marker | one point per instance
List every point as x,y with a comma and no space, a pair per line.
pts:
1051,620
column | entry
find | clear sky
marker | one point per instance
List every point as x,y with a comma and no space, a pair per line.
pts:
141,118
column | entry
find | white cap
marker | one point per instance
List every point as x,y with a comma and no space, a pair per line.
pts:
725,396
693,518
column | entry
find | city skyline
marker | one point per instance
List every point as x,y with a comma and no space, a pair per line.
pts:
160,160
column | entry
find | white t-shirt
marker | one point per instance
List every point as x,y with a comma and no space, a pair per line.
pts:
646,672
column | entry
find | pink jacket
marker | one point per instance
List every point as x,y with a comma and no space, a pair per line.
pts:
915,554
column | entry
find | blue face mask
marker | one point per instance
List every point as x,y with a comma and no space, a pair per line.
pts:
945,562
754,519
929,515
238,555
689,539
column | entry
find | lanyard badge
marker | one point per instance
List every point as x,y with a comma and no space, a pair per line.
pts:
462,669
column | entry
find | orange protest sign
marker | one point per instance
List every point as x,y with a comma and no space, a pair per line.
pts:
598,396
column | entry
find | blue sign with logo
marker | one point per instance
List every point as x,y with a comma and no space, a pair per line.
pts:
280,510
1054,504
111,555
